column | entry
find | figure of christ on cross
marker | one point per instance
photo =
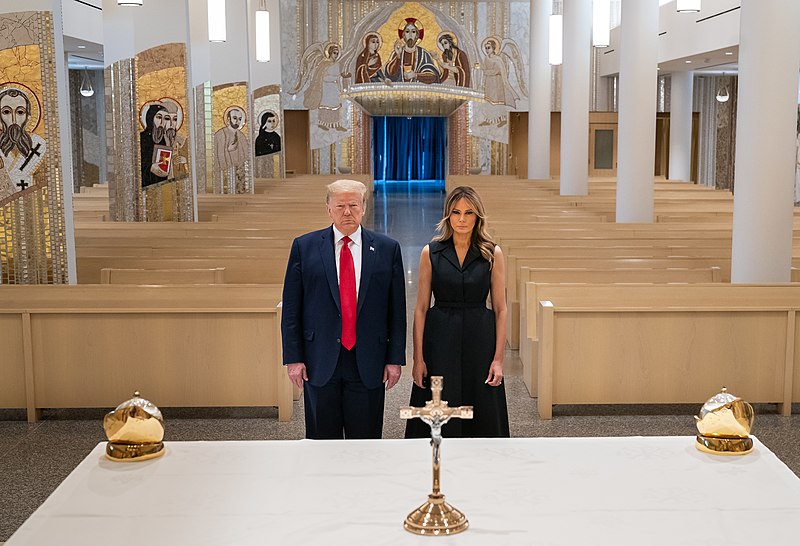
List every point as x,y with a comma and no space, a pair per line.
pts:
436,517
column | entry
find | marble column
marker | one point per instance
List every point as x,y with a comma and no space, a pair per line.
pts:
680,125
638,78
769,61
575,82
539,98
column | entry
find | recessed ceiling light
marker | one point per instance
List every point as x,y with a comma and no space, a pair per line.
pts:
81,46
729,53
688,62
658,68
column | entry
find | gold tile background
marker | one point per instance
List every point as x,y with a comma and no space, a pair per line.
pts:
32,225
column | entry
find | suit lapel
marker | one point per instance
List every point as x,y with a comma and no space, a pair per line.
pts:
327,250
367,264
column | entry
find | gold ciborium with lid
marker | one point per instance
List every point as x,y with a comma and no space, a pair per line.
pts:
724,425
135,431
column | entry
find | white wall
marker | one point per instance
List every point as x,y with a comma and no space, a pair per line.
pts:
684,35
265,73
230,59
198,37
82,21
128,30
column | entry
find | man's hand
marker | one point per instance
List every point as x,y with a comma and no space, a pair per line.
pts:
297,374
391,375
158,171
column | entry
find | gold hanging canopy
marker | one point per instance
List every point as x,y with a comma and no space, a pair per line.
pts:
410,99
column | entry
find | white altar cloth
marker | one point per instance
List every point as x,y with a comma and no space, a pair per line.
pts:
542,491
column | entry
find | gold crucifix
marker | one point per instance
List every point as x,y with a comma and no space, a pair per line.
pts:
435,516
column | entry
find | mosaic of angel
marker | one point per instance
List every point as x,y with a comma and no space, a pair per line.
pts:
321,78
453,61
21,150
410,62
369,67
496,87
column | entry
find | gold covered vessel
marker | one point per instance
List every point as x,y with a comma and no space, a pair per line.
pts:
724,425
135,431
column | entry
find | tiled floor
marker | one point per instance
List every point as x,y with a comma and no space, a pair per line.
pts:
35,458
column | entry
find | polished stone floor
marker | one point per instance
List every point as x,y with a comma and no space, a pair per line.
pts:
35,458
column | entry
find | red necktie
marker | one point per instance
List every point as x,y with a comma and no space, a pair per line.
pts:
347,294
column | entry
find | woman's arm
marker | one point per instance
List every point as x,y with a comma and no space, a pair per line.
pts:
420,369
495,376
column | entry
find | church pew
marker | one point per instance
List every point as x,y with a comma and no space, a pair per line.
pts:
532,277
181,346
658,344
597,259
162,276
242,269
309,183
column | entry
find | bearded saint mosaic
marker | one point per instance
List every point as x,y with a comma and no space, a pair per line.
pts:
21,150
159,141
232,148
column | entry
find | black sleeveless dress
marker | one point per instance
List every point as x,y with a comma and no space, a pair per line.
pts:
459,343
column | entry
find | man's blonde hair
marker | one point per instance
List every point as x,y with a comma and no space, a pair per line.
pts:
346,186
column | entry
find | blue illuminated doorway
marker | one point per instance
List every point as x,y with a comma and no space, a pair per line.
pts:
409,152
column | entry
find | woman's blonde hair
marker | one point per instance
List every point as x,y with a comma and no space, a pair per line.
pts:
480,237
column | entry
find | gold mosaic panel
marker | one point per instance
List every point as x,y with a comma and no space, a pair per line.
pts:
236,178
268,98
32,223
160,76
410,9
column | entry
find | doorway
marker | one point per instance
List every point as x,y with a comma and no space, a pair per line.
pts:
409,152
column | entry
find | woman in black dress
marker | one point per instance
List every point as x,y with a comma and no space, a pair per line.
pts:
460,338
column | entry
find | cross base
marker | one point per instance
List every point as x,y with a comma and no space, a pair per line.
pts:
436,517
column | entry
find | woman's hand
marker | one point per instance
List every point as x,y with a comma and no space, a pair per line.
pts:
419,373
495,377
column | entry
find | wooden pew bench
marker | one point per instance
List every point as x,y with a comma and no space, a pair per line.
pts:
532,278
162,276
596,261
181,346
661,344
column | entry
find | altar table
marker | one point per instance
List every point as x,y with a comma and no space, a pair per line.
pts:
532,491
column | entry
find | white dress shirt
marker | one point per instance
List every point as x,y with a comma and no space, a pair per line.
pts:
355,250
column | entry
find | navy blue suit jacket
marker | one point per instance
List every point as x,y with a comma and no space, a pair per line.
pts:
311,322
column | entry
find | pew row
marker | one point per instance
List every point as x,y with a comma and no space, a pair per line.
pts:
660,344
214,275
181,346
531,278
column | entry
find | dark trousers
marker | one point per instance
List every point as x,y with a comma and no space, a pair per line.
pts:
344,407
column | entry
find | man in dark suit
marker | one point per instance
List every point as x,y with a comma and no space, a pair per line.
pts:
344,320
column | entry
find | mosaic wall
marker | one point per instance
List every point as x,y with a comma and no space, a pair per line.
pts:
267,132
232,153
147,102
717,132
121,159
88,141
338,47
202,135
32,232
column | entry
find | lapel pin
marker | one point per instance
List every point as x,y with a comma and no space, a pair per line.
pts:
372,249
